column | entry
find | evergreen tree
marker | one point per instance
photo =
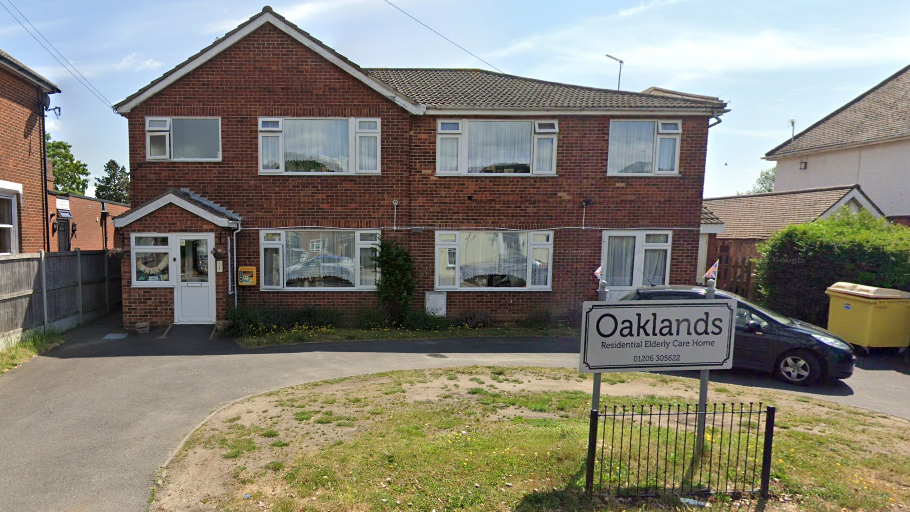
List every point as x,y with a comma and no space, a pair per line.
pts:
70,175
114,185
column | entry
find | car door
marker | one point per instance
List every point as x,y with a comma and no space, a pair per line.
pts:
752,349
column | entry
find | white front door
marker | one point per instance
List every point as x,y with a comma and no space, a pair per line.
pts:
195,292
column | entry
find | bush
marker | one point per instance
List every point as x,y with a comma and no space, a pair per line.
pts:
476,319
798,263
372,318
420,320
540,319
396,285
246,321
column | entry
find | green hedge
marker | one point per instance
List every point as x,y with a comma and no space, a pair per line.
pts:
800,262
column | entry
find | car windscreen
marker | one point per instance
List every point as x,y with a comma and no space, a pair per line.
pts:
775,316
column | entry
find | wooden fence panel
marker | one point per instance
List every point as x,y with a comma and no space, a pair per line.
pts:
80,286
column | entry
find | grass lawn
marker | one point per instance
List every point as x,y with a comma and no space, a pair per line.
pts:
30,345
486,438
306,334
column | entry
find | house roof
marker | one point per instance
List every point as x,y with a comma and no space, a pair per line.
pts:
482,89
70,194
708,217
7,61
878,115
417,90
186,199
757,216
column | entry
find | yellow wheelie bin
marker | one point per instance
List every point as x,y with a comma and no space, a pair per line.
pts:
869,317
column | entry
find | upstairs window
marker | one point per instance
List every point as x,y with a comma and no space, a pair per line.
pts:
496,147
319,146
183,138
644,147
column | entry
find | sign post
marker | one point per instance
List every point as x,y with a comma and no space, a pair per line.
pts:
654,335
703,391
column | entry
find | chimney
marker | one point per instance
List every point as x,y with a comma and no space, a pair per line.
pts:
50,173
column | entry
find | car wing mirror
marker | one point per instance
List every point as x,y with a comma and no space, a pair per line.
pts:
753,327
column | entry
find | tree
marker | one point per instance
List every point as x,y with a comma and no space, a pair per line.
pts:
70,175
764,182
114,185
396,286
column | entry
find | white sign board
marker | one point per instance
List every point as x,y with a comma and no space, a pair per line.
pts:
657,335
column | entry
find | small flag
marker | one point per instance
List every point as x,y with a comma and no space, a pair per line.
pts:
712,272
597,273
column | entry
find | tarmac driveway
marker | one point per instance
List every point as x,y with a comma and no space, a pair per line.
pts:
85,426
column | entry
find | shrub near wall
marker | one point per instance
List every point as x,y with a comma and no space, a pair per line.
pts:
800,262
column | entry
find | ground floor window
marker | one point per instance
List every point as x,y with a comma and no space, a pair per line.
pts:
318,259
631,259
9,236
494,260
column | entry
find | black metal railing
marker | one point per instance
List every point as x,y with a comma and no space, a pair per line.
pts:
651,450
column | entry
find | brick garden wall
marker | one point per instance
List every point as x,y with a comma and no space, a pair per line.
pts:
270,74
21,153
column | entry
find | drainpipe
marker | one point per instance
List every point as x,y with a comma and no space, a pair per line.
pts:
47,236
239,229
716,117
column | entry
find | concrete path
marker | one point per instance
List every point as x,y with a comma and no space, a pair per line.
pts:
85,426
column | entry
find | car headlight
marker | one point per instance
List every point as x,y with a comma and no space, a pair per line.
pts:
833,342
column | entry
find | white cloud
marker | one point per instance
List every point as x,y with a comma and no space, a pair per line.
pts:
295,13
646,6
135,62
52,124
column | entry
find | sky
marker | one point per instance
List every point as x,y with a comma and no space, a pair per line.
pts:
771,60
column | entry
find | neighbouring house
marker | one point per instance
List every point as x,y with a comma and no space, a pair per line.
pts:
24,97
865,142
80,222
266,167
750,219
711,226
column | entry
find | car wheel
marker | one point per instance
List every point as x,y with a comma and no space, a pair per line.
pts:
800,368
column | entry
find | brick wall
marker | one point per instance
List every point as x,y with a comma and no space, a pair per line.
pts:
21,153
92,233
270,74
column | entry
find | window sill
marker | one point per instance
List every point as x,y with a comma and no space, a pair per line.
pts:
548,289
643,175
496,175
371,173
147,159
146,284
316,289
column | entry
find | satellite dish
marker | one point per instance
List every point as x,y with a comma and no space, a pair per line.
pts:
46,101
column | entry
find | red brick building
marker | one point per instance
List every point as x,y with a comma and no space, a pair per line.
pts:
80,222
24,95
270,150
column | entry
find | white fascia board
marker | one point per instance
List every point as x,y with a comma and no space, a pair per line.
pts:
836,147
859,197
565,112
138,213
711,229
227,42
11,186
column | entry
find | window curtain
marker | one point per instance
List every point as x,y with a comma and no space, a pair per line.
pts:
666,158
655,272
490,259
620,261
499,146
315,145
447,154
631,147
271,152
368,150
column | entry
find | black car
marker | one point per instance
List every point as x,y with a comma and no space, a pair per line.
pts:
795,351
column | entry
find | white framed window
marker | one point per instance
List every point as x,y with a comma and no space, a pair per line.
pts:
496,148
644,147
494,260
311,260
9,231
151,259
183,139
633,258
320,146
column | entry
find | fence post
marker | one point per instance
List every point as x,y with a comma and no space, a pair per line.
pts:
44,286
105,259
79,281
766,455
592,451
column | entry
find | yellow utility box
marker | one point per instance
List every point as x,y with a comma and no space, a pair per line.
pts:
246,276
868,316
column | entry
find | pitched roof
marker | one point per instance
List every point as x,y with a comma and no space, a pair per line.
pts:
880,114
708,217
479,88
7,61
416,90
186,199
757,216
